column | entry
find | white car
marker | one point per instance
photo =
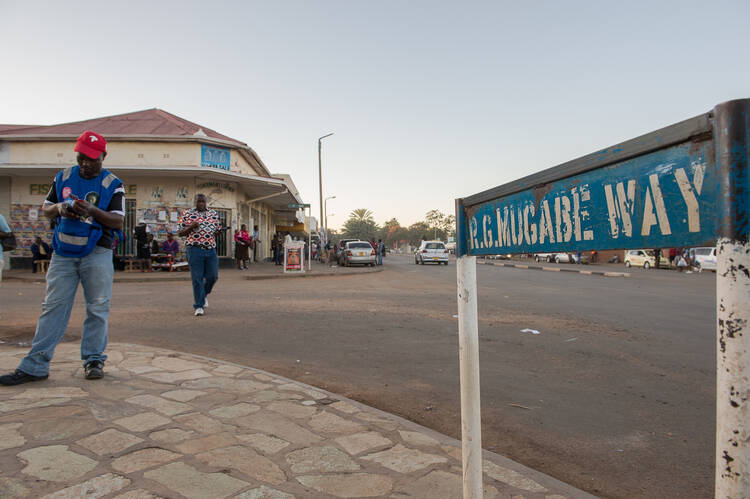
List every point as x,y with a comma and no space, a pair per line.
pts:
705,258
431,252
640,258
556,257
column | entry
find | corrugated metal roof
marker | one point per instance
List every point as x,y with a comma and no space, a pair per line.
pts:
154,122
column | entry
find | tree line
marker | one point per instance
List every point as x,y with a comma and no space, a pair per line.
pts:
361,225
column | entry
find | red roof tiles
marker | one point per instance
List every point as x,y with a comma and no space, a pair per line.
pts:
154,122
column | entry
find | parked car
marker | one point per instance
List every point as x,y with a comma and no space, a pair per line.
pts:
704,258
640,258
560,257
431,252
340,249
358,252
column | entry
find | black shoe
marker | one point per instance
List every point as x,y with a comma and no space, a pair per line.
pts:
94,369
18,377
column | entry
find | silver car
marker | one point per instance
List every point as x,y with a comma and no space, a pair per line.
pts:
358,252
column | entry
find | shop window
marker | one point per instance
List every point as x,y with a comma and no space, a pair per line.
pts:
127,247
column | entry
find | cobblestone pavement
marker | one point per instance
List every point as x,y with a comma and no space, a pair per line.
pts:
167,424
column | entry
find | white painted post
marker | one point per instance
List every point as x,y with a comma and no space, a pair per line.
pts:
732,139
468,343
733,369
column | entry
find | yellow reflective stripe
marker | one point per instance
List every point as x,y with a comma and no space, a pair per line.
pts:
74,240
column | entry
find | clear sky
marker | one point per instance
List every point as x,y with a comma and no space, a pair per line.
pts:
428,100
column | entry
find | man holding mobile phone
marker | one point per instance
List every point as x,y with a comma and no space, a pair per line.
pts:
87,204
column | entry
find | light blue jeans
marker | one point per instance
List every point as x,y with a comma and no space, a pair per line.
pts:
95,273
204,271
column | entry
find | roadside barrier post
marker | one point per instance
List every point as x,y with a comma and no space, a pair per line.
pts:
732,139
468,346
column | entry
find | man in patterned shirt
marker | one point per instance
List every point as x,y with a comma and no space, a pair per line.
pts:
200,226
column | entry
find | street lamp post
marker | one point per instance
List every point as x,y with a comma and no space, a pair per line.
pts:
325,219
320,172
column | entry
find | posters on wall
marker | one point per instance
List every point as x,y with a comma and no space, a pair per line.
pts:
160,220
26,225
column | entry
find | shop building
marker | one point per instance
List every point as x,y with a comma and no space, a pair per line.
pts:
163,160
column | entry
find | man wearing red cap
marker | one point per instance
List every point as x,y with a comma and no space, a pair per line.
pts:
87,204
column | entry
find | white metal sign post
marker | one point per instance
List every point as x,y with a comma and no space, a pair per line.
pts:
468,344
682,186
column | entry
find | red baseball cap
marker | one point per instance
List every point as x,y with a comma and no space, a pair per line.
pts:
91,144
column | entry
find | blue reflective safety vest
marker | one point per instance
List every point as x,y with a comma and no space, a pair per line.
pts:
75,237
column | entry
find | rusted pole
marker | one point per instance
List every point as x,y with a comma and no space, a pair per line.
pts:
732,139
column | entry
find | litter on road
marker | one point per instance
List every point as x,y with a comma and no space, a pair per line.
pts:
532,331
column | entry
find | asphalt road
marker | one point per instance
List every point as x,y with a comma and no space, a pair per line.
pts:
615,395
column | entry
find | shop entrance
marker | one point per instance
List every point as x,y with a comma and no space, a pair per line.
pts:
225,216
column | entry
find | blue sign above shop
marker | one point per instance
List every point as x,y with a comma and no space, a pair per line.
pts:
215,157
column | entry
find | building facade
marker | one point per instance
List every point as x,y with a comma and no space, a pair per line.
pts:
163,160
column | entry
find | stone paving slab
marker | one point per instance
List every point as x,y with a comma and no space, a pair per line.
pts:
173,425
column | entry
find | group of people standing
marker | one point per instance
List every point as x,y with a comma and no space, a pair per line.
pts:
146,246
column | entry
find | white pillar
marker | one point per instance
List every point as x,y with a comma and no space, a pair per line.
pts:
468,343
733,369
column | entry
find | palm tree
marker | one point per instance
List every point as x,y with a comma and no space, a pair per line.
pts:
360,225
362,215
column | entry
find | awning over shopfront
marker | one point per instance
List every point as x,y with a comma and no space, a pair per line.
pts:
272,191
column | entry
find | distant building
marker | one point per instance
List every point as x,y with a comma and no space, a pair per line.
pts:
163,160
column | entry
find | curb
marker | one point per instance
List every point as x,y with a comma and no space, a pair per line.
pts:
186,278
602,273
300,275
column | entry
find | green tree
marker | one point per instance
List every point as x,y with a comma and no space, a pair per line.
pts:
441,226
387,228
418,232
360,225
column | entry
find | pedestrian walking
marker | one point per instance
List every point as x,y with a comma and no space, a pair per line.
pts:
242,245
657,257
87,204
380,251
200,225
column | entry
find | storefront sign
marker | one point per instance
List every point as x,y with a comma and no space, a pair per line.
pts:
215,157
217,185
42,189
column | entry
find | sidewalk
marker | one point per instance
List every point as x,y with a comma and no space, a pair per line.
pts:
257,271
168,424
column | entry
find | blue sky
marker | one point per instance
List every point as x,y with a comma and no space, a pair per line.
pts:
428,101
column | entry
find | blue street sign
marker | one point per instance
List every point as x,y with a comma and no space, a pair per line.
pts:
659,190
